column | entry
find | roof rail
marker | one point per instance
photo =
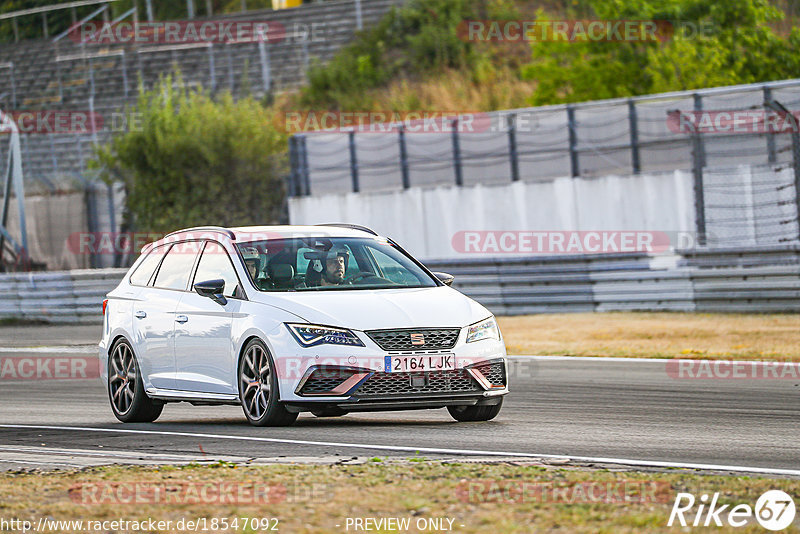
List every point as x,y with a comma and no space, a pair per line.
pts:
219,229
350,226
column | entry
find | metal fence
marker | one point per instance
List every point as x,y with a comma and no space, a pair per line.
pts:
753,126
63,196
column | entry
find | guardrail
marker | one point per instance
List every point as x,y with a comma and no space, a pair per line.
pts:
728,280
764,279
59,296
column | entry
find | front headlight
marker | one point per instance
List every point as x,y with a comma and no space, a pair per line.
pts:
311,335
486,329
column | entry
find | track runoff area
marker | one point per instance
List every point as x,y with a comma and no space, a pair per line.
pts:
634,415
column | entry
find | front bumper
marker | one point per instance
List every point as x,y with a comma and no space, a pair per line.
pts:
355,377
365,384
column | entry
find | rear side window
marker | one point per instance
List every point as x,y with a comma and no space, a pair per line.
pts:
177,266
144,272
215,264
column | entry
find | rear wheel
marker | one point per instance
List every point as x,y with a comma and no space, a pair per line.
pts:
475,413
129,402
258,388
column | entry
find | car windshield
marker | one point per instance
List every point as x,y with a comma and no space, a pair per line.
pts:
330,263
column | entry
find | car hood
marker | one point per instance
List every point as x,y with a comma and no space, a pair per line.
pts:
366,309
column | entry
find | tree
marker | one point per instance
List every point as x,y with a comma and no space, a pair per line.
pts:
420,38
190,160
715,43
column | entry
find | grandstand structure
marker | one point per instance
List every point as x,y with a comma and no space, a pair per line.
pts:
61,74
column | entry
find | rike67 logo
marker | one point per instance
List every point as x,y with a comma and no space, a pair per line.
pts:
774,510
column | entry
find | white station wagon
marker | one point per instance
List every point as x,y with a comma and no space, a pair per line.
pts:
326,319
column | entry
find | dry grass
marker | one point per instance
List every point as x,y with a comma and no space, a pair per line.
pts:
322,497
453,91
656,335
449,91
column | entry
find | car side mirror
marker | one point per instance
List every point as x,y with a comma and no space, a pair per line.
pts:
446,279
212,289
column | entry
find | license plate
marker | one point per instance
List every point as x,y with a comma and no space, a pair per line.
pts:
420,363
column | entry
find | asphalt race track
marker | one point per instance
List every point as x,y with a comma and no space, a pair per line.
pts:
595,412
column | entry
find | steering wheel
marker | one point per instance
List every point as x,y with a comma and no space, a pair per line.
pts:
366,274
357,276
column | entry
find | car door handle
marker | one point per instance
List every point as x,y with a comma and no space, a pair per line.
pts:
181,318
140,314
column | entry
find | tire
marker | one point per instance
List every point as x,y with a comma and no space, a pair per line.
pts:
466,414
331,411
129,402
258,388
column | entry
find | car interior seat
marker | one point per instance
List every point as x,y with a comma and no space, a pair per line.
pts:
280,272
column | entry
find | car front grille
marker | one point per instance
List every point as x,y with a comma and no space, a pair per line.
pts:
494,372
439,382
415,338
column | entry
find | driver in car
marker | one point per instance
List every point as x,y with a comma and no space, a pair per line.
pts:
334,268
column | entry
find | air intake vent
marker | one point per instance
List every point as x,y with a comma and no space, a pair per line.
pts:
495,373
440,382
325,381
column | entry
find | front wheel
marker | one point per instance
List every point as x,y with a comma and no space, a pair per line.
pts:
129,402
258,388
475,413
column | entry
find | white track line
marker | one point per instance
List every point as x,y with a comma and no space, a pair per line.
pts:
433,450
60,464
71,349
603,359
584,358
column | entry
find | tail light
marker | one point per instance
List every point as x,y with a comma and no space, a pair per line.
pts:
105,304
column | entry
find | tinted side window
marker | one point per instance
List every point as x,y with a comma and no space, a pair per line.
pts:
145,270
214,264
177,266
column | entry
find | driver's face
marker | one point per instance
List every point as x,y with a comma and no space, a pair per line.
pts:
334,269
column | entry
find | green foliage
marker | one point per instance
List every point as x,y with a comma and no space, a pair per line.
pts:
418,39
192,160
734,43
30,26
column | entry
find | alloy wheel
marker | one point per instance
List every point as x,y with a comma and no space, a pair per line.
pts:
255,378
123,378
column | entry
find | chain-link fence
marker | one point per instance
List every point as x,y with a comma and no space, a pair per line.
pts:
91,83
750,206
711,132
64,203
